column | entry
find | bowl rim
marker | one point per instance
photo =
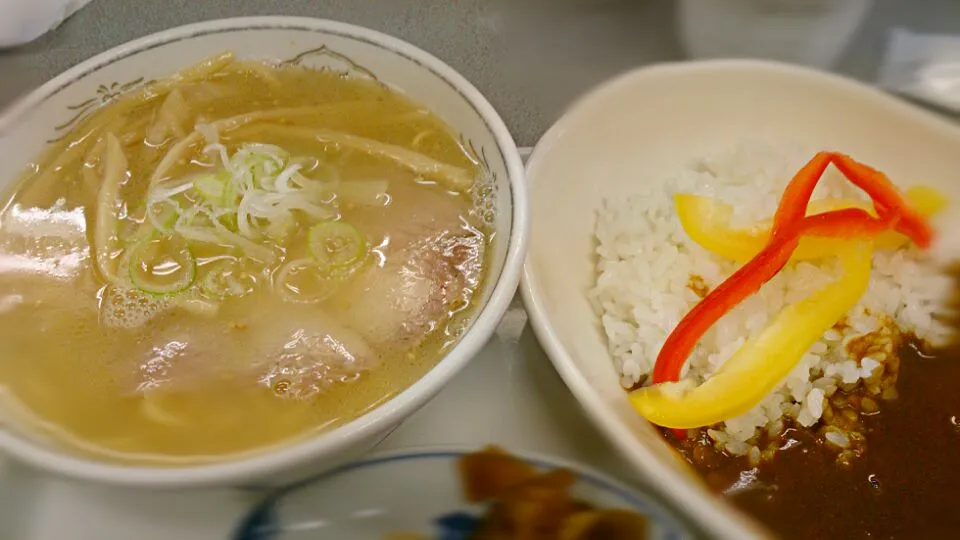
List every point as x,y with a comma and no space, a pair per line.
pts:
716,516
642,500
386,416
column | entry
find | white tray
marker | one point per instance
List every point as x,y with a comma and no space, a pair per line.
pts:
508,395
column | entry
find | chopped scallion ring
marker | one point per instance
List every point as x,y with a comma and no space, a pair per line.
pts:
162,266
225,279
163,215
335,244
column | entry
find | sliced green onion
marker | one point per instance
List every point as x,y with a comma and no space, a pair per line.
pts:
243,216
282,183
196,224
229,197
302,282
162,266
249,247
225,279
310,209
211,187
217,189
163,215
161,193
335,244
224,155
260,161
229,221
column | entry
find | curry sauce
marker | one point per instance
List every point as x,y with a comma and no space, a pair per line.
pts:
904,484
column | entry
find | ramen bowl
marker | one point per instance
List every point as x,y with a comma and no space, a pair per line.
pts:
48,113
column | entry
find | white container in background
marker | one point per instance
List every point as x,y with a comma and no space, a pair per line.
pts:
23,21
808,32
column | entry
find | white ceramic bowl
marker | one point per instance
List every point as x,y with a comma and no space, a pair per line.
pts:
352,50
645,126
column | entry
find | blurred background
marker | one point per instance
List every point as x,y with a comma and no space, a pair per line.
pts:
529,57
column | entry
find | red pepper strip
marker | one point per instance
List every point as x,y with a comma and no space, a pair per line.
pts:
747,280
796,198
882,191
886,198
845,223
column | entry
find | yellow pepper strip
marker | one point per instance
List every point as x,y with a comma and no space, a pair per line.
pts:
764,360
707,222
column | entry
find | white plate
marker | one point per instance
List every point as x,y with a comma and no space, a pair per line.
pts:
647,125
419,492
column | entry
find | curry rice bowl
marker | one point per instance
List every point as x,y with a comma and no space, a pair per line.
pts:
650,274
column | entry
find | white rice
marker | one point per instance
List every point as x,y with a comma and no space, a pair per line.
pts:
646,261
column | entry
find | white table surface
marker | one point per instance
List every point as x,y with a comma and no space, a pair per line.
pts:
508,395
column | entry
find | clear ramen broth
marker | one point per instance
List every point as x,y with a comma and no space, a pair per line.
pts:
233,258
